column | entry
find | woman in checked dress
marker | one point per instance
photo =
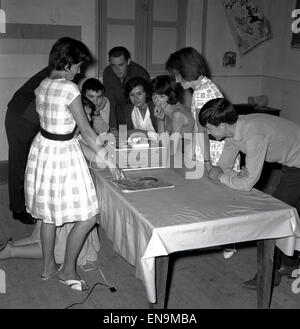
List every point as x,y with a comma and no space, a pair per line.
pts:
58,185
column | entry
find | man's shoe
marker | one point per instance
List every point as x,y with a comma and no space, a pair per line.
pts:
251,284
24,217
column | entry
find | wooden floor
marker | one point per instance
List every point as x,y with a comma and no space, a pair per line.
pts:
200,280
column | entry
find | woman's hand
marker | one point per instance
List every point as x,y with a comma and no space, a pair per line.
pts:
215,173
99,125
117,173
159,112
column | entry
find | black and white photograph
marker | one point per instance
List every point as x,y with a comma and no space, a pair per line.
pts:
149,157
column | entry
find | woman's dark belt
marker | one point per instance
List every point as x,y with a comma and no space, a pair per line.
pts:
57,137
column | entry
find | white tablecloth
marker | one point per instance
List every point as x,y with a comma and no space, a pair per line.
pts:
194,214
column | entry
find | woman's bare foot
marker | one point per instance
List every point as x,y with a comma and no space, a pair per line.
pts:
50,271
35,236
65,276
25,241
73,281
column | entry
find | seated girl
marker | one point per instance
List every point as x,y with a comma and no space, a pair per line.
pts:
172,116
96,106
140,110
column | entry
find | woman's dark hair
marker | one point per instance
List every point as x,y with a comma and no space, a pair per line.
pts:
88,103
217,111
92,84
188,62
119,51
66,52
134,82
166,85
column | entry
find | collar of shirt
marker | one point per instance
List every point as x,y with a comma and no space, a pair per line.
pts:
202,80
138,120
239,129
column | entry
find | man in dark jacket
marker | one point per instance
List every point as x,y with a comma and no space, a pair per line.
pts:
115,76
21,124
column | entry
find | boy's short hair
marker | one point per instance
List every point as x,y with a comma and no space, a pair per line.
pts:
92,84
119,51
134,82
67,52
166,85
217,111
188,62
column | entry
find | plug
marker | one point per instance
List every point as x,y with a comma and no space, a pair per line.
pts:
112,289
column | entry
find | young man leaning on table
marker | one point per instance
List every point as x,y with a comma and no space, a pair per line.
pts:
261,138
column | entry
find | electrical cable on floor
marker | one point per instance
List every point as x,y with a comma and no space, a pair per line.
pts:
86,298
107,284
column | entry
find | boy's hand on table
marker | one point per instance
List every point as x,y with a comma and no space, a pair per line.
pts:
244,173
215,173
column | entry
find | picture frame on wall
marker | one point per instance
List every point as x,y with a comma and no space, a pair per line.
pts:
296,36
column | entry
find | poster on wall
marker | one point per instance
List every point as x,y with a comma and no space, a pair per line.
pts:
248,24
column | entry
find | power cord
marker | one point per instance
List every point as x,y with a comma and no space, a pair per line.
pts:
107,284
112,289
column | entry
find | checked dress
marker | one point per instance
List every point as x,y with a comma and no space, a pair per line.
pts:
58,186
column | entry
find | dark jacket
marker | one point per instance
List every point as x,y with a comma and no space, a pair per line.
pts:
114,91
128,111
23,101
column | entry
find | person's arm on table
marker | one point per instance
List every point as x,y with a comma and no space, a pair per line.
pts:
256,153
225,163
90,137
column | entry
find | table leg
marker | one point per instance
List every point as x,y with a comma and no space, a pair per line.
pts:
161,275
265,255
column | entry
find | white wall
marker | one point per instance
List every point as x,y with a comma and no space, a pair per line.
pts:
15,69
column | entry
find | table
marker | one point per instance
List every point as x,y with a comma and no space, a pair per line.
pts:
145,227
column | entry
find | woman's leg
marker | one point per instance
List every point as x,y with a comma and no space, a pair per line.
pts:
33,250
48,240
75,242
33,238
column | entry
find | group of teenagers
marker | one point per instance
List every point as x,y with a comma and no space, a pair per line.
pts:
53,123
